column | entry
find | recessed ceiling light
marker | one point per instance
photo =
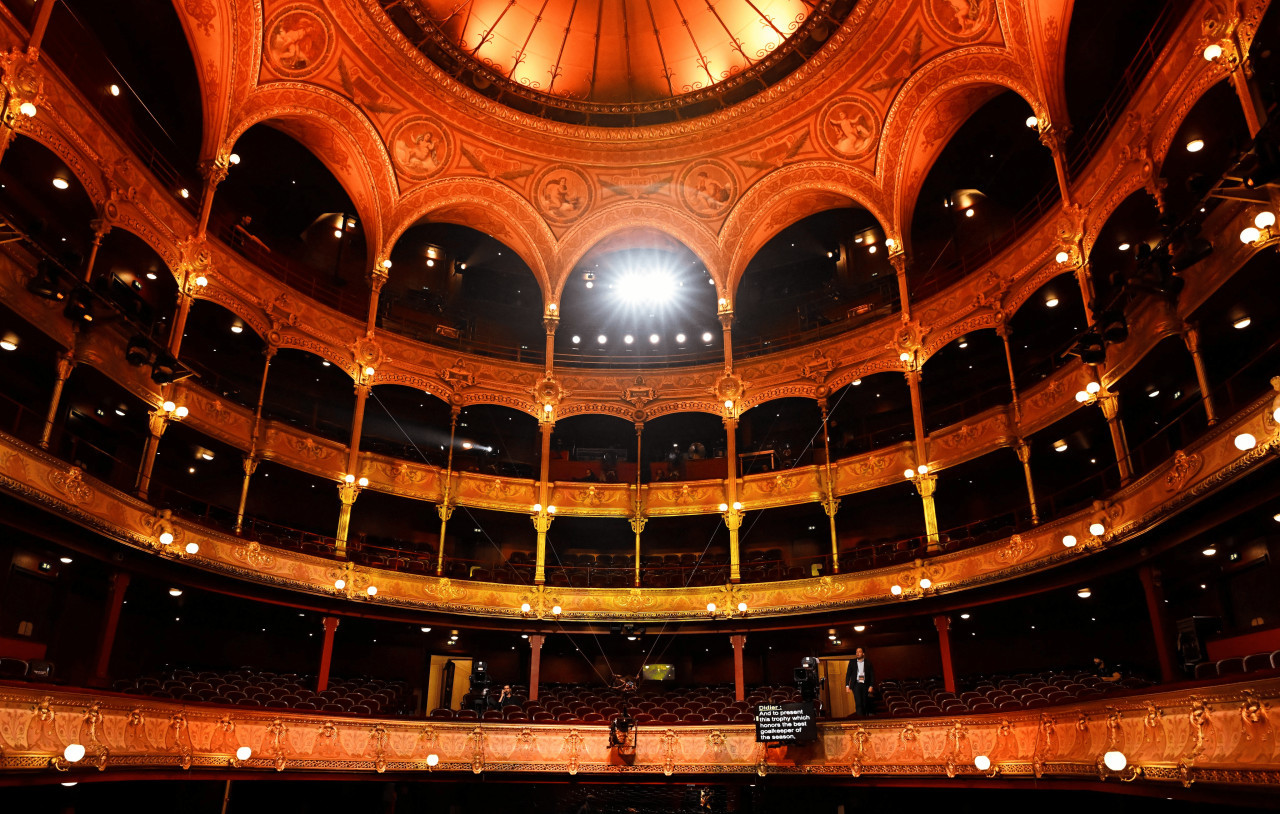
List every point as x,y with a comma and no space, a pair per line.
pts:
1052,302
236,328
337,233
576,339
964,343
60,183
9,342
856,382
859,628
1195,145
706,336
653,339
1124,247
601,339
964,616
151,275
1084,593
1210,551
64,560
680,338
590,284
114,90
175,592
968,213
628,339
1060,445
1242,323
1153,394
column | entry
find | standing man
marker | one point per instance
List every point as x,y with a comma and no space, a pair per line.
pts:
860,679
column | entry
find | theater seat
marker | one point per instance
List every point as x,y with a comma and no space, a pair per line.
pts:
1206,669
1258,661
1230,667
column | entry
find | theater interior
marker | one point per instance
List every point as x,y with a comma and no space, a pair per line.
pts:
470,406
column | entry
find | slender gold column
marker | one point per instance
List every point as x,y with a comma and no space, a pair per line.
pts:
377,279
251,458
214,172
445,509
66,363
349,488
926,482
638,518
100,228
1055,139
1110,403
348,491
1024,456
898,258
157,423
927,485
830,503
542,515
1003,330
732,508
1191,336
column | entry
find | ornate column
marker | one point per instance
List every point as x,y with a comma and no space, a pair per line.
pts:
926,482
1085,281
1160,628
348,491
214,172
326,653
739,641
1056,140
1228,51
66,363
1191,336
357,421
445,507
1110,403
377,279
100,228
725,315
1003,330
157,423
550,321
23,91
731,509
535,664
542,512
1024,456
251,458
638,518
898,258
943,623
192,275
118,584
830,503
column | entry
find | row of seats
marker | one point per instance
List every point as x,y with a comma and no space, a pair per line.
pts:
1239,666
34,670
576,704
986,694
255,688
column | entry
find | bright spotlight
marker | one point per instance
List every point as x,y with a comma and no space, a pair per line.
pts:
648,287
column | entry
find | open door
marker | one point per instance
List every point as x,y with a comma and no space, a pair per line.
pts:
837,702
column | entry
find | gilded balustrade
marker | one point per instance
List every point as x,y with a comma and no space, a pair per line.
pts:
1211,462
1221,735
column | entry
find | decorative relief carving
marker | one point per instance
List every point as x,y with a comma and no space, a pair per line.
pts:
1182,469
70,482
562,194
850,128
960,21
298,41
708,189
421,147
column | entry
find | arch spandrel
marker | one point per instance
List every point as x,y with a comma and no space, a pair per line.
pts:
485,205
637,217
789,195
214,32
336,133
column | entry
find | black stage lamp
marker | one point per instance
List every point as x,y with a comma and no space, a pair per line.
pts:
1114,328
138,351
1090,349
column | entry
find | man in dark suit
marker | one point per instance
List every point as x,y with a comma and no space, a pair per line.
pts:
860,679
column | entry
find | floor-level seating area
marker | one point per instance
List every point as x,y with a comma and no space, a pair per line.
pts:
258,688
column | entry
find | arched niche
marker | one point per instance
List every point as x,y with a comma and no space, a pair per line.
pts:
1239,333
226,354
302,222
141,50
198,476
1159,404
822,274
981,186
686,446
406,423
595,447
1133,227
456,286
286,506
1208,142
963,378
103,427
869,413
981,500
779,434
642,284
505,442
310,393
1043,329
1072,462
54,218
130,273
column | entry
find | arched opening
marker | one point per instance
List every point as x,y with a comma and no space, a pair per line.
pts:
226,354
993,177
407,424
199,477
1043,329
824,274
1160,404
504,442
1210,140
1239,333
103,427
640,299
594,448
880,527
311,393
1129,233
1072,463
869,414
981,500
778,435
686,447
454,286
132,63
284,210
130,274
28,367
963,378
48,208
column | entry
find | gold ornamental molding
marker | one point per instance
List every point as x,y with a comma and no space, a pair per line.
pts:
1236,445
1214,735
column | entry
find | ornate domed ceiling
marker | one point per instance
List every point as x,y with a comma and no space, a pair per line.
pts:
618,62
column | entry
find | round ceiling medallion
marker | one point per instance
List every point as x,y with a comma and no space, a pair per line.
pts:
562,194
960,20
298,41
708,188
850,128
420,147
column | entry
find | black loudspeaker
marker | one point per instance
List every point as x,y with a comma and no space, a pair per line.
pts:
1193,636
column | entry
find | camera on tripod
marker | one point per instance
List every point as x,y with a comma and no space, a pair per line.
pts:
807,680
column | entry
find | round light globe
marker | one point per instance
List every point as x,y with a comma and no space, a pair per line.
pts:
1244,441
74,753
1115,761
1097,529
244,753
1249,234
982,763
433,760
193,548
1069,540
1265,220
896,590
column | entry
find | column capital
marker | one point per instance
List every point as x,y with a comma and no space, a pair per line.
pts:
214,170
927,484
738,640
726,318
1023,451
943,623
551,319
250,464
348,492
330,623
542,521
100,226
444,510
378,278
